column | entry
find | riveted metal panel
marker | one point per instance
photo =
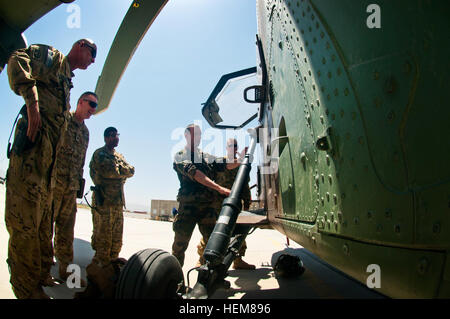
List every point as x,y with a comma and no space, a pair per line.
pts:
292,116
404,273
413,44
383,90
344,178
433,216
380,178
400,75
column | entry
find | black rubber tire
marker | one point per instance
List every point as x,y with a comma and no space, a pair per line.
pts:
150,274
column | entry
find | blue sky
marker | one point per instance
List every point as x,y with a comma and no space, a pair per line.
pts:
188,48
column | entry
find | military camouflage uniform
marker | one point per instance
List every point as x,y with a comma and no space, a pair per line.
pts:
30,176
226,179
69,172
108,172
196,204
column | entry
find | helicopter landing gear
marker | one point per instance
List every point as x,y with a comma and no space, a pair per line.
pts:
150,274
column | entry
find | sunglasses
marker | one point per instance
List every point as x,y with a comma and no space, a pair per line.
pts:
113,135
91,103
93,50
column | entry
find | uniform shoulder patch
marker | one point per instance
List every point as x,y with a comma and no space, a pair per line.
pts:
43,53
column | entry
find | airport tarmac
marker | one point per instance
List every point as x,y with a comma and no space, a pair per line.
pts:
264,247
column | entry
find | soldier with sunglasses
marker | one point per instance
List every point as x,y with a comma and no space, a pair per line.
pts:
42,75
69,183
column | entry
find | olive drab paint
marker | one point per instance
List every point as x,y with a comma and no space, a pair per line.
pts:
361,175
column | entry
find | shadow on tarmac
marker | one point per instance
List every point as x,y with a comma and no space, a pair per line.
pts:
83,254
320,280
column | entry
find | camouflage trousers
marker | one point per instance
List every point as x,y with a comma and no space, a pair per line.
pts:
202,244
28,210
64,212
107,233
190,214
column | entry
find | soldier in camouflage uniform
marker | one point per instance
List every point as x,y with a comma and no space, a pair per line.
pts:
226,178
43,77
69,181
108,170
196,172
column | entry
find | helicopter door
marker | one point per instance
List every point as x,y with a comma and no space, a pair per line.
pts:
285,170
296,165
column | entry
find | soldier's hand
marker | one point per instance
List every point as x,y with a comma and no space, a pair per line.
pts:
242,154
34,120
224,191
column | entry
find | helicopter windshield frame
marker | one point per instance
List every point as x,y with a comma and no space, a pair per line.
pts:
211,108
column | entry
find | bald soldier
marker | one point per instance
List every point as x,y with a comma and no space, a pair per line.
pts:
42,75
109,171
69,181
226,178
196,173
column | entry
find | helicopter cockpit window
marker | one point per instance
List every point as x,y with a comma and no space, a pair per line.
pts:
233,102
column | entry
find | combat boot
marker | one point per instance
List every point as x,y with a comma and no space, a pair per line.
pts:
238,263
